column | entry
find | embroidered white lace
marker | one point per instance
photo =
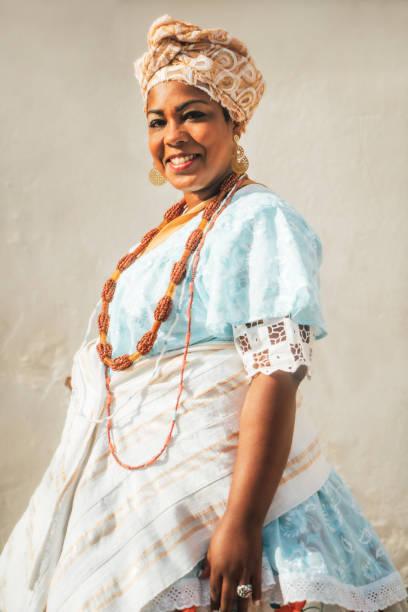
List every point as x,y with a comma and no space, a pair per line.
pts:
188,592
271,344
382,594
376,596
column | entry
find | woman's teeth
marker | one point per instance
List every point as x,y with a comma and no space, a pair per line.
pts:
178,161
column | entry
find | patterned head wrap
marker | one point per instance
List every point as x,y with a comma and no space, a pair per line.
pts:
211,60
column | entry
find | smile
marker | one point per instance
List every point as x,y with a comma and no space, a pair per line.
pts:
179,162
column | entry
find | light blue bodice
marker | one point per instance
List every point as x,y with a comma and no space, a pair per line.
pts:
260,259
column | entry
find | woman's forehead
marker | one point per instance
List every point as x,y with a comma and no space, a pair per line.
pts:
173,93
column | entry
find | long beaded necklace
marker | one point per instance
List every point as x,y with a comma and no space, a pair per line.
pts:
164,305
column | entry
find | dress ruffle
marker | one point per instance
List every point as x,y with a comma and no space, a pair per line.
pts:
272,344
322,550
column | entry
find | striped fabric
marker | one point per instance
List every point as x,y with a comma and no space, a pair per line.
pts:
97,537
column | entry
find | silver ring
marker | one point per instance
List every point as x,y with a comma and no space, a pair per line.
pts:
244,590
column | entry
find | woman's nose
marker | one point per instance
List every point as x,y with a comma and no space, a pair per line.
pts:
175,133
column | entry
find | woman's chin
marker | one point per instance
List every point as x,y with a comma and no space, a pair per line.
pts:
192,182
185,182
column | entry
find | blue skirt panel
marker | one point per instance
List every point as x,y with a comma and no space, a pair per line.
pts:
327,535
323,550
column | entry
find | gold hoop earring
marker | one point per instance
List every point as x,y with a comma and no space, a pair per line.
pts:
156,178
239,161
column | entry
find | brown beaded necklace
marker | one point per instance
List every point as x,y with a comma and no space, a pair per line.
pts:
164,305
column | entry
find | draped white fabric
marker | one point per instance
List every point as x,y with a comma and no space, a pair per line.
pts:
96,536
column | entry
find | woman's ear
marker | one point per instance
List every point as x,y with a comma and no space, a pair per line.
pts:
237,129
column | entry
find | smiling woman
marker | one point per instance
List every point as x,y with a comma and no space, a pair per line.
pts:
190,139
189,473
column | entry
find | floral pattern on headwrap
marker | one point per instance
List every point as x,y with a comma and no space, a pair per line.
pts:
211,60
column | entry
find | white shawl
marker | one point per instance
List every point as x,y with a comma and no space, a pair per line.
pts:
98,537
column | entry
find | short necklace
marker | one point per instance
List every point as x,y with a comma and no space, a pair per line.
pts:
164,305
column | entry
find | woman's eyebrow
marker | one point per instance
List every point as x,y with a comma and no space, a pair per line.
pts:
183,106
179,108
155,112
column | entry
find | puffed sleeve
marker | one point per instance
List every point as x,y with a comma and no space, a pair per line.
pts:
260,260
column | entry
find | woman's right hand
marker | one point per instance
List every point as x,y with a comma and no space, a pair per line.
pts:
234,557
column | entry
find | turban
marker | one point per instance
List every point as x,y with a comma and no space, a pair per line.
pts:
211,60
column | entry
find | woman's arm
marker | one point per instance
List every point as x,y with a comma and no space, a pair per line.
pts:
265,437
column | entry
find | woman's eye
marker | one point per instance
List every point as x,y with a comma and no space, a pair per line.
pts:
156,123
193,115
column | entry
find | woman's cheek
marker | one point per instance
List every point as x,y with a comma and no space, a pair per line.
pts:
203,135
156,149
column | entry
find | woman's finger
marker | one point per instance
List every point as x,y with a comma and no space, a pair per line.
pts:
256,582
215,590
243,602
228,594
205,571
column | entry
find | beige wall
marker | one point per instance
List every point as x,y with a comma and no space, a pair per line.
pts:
330,136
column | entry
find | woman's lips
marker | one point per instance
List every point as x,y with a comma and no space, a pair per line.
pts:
181,162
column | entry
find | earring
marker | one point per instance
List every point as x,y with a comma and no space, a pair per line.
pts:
156,178
239,161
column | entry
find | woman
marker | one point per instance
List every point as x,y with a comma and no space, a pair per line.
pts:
234,501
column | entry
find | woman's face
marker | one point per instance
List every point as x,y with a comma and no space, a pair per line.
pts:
189,138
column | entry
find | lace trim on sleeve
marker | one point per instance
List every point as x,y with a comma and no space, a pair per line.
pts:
272,344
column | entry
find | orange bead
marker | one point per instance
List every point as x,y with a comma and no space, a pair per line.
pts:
178,272
104,350
121,363
163,308
103,322
126,261
175,211
108,290
194,240
146,342
149,236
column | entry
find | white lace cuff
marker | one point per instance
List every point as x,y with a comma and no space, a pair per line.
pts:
274,344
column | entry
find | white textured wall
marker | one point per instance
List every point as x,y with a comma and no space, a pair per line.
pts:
330,136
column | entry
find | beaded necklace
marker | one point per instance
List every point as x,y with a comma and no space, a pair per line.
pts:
164,305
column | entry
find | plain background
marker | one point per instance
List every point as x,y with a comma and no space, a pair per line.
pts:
330,137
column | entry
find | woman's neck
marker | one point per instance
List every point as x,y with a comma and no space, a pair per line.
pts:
195,197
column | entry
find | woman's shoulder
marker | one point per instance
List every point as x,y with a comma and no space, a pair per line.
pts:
255,198
255,206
